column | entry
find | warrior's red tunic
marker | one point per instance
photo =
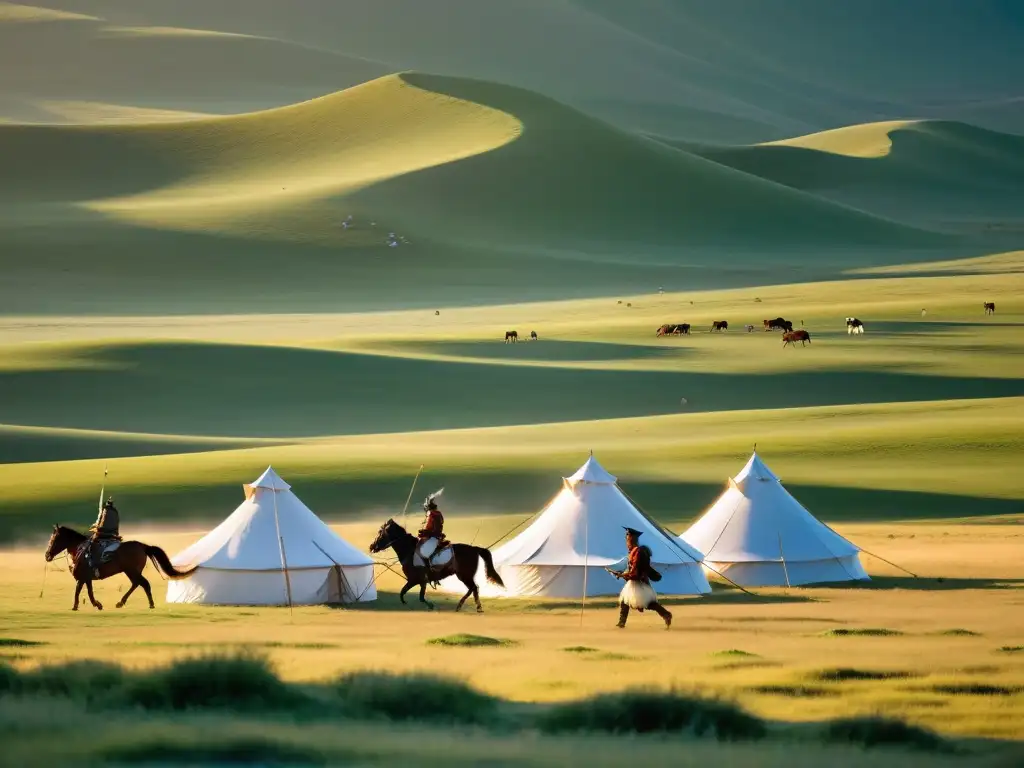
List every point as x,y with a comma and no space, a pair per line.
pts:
434,526
639,566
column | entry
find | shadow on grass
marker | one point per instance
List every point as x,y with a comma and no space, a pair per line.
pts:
924,584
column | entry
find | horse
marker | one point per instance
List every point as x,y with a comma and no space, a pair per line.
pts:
804,337
778,324
463,564
128,558
853,325
665,330
720,325
749,328
511,336
533,335
990,307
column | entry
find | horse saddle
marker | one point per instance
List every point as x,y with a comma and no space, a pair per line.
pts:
103,550
441,557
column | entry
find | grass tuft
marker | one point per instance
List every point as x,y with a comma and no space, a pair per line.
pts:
973,689
843,674
580,649
736,652
652,712
1012,649
794,691
14,642
958,632
415,696
84,681
469,641
867,632
880,731
241,683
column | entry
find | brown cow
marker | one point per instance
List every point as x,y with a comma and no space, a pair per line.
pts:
804,337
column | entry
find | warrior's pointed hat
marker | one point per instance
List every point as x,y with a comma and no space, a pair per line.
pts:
429,502
633,531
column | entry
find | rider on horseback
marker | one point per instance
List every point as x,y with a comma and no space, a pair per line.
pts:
431,535
105,530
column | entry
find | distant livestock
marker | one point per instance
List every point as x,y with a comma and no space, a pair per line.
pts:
791,337
749,327
990,307
533,335
853,325
511,337
674,329
778,324
720,325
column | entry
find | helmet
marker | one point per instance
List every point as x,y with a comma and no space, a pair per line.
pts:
429,504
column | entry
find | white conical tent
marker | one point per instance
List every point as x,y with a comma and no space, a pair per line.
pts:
578,534
758,535
243,560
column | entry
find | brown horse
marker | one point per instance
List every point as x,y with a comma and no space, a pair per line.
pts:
464,563
129,558
511,337
990,307
720,325
791,337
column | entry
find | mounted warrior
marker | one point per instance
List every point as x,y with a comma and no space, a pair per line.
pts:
102,535
431,540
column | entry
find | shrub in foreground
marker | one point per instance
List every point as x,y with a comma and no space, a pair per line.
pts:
652,712
85,681
882,731
414,696
245,683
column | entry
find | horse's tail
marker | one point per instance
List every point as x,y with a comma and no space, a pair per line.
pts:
163,563
492,575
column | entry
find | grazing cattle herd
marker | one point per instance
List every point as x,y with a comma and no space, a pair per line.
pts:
854,325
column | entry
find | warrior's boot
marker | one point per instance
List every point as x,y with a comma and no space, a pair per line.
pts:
623,615
665,614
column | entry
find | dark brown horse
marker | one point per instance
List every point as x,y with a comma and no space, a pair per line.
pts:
464,563
990,307
129,558
511,337
791,337
720,325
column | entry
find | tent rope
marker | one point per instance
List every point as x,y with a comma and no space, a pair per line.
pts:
703,563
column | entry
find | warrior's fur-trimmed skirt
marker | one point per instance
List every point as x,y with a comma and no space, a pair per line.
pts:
638,595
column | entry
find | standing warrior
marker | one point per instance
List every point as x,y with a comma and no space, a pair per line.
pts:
105,530
638,592
431,535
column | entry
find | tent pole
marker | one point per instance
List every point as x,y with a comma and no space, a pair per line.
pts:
284,560
782,554
586,563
